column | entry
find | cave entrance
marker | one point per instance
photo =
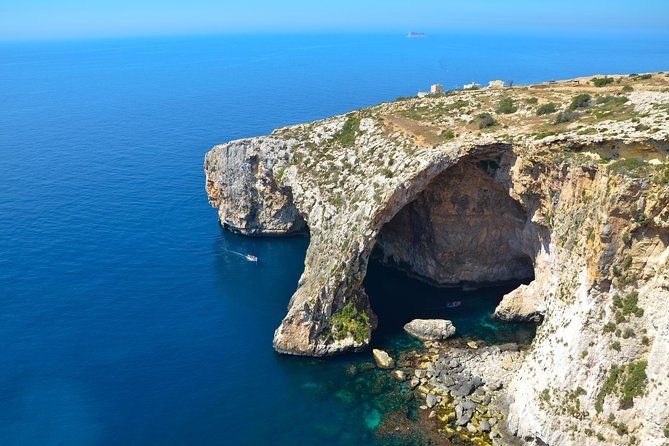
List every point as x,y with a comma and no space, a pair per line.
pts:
463,238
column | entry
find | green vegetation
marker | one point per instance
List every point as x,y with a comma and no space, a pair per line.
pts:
546,109
506,106
629,166
346,136
580,101
628,88
626,381
600,437
634,383
628,333
609,327
612,99
447,134
565,116
616,346
601,81
621,428
485,120
666,431
629,304
532,100
350,321
543,135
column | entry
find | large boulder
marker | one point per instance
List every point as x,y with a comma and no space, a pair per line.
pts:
383,359
430,329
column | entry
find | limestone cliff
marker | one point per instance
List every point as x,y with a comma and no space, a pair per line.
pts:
564,182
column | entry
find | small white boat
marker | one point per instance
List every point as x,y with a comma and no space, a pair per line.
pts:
251,258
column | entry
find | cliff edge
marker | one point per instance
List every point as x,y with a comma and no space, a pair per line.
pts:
565,184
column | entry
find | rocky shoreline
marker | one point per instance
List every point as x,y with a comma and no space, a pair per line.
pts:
459,388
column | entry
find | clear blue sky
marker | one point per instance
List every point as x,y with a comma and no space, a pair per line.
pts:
40,19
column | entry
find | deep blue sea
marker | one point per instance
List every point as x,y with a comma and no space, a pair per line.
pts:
123,319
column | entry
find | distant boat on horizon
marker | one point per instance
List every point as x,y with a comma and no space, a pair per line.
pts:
415,35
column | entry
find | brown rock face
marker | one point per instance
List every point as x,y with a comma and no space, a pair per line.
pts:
463,228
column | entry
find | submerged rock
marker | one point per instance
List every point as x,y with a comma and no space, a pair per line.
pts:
430,329
399,375
383,359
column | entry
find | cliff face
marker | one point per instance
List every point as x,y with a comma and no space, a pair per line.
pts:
241,184
579,200
464,228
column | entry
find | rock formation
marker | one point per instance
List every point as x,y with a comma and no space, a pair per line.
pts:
430,329
454,188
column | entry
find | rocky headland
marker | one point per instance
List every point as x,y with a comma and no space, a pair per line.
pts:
562,184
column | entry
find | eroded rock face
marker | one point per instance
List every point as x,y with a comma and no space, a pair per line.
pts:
463,228
589,209
241,183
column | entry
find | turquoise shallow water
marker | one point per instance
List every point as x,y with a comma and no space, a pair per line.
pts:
123,320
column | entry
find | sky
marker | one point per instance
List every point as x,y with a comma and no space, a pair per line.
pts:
66,19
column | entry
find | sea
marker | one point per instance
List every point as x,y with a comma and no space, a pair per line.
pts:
124,317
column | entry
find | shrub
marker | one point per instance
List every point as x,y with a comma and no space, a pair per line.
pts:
601,81
645,340
346,136
565,116
627,88
580,101
546,109
532,100
350,321
486,120
616,346
506,106
621,429
635,382
628,333
607,388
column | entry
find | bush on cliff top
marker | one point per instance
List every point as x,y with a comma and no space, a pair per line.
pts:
506,106
601,81
546,109
485,120
580,101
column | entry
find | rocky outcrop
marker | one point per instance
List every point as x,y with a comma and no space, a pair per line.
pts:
582,202
521,304
242,183
430,329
